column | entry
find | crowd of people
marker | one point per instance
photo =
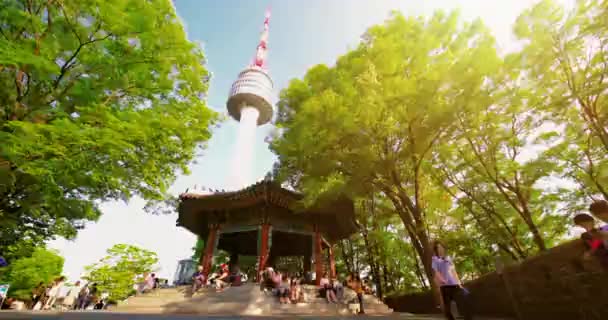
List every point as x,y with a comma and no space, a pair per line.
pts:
288,287
78,296
227,275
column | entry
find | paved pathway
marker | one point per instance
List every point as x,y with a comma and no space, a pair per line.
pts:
104,315
121,316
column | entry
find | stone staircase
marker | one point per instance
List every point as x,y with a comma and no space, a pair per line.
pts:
246,300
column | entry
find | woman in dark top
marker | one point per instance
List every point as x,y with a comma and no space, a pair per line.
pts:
92,298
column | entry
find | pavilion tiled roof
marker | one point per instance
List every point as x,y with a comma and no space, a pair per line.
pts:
263,191
194,207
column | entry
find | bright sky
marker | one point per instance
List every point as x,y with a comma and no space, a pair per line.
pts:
302,34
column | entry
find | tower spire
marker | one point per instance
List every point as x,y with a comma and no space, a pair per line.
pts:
262,48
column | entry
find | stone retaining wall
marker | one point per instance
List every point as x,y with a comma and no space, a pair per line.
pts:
554,285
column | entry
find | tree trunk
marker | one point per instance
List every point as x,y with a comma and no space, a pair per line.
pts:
411,216
387,283
372,261
527,216
374,250
538,239
346,256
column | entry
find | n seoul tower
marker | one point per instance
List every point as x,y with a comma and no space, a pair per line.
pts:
250,103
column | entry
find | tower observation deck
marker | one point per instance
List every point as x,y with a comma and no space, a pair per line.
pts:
251,93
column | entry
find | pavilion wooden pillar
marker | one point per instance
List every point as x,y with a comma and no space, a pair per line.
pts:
307,263
332,262
263,248
318,256
207,257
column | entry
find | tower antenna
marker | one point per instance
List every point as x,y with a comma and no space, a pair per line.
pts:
262,48
250,103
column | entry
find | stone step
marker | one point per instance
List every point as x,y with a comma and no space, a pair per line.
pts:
246,300
265,311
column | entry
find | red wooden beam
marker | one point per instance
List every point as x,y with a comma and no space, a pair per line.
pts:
318,256
207,258
263,254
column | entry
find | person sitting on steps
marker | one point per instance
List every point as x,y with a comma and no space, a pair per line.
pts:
222,281
338,288
327,290
267,283
276,281
235,270
283,289
198,279
295,290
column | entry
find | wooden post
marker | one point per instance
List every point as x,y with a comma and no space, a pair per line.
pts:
332,262
207,258
307,263
318,256
263,253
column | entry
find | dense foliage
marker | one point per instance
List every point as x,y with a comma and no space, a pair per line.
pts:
24,274
440,136
99,100
123,267
198,249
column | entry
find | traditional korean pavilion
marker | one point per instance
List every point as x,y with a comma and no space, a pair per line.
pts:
266,220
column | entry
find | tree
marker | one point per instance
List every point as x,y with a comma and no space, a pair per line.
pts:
381,113
498,157
117,272
478,150
566,59
98,101
198,249
24,274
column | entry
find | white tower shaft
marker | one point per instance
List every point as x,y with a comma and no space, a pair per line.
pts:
243,155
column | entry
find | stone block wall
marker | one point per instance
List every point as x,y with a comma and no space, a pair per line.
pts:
554,285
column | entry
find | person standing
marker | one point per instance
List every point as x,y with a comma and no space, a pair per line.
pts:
54,292
450,286
69,302
150,281
354,282
83,295
37,295
92,296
